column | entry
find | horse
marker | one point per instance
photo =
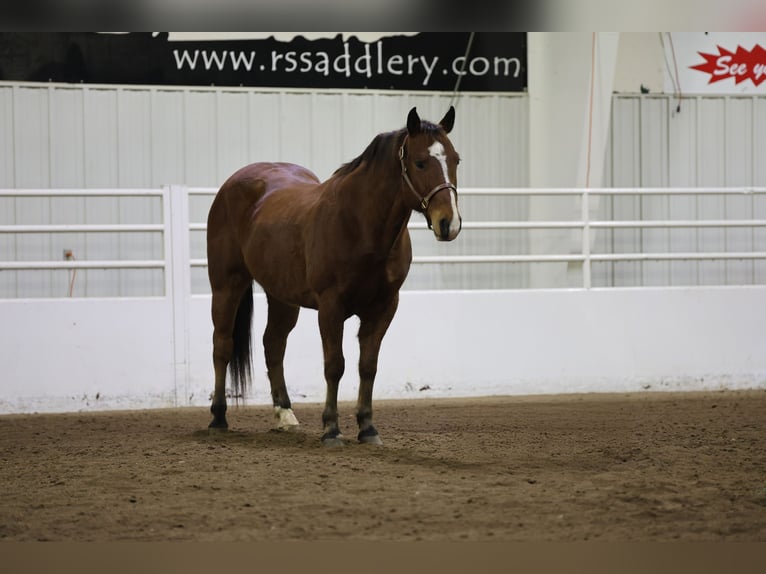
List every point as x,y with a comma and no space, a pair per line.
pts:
340,247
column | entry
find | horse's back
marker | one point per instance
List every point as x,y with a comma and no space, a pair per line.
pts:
239,196
274,175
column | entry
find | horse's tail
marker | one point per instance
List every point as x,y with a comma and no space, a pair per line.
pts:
240,366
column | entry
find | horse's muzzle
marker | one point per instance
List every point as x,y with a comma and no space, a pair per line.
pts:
448,229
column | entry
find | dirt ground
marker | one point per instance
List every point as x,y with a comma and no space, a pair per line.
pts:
647,467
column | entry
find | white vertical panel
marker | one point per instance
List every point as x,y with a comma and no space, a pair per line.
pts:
295,112
759,178
7,151
711,143
477,142
134,133
66,137
167,136
67,169
357,125
264,126
200,137
232,137
654,169
31,137
601,240
32,146
626,161
682,172
135,161
326,134
7,180
739,172
513,141
101,138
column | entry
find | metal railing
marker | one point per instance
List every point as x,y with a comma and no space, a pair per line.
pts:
585,225
73,264
176,227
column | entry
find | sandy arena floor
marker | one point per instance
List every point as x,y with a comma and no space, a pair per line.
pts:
654,467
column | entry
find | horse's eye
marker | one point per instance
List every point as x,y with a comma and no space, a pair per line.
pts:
420,164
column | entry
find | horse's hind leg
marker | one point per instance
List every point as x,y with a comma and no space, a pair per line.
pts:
281,320
225,305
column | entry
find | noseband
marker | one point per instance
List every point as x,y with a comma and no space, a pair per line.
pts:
424,200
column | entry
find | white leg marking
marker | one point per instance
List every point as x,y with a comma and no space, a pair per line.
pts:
286,419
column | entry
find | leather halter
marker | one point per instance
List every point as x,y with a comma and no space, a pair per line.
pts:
424,200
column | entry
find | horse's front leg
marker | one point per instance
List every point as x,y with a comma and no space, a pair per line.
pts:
331,320
372,329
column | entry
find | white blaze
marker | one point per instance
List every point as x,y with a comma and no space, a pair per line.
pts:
436,150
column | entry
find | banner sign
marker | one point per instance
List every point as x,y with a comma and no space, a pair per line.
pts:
741,65
717,62
495,62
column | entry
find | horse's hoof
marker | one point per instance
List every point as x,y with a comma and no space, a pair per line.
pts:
217,430
286,420
370,440
333,441
369,436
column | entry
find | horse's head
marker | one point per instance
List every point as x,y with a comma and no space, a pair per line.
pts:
429,170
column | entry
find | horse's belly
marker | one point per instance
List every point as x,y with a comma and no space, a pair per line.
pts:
276,261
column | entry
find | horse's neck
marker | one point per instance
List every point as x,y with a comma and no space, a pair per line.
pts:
377,207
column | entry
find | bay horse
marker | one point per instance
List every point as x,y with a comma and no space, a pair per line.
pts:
340,246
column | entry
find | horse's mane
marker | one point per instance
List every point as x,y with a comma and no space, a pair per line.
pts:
376,150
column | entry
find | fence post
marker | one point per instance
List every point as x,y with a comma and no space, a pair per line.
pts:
586,278
180,286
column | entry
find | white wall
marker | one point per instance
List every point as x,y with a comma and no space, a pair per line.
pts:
67,355
457,344
72,135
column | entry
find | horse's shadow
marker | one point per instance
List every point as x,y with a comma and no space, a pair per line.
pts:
308,443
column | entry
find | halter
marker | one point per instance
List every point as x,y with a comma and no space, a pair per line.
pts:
424,201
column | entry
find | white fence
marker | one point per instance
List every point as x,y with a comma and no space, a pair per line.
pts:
142,348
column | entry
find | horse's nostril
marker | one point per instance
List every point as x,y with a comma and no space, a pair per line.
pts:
444,227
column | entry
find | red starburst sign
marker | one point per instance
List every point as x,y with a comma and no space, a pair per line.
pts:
741,65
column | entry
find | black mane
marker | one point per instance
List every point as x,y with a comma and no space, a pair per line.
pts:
377,148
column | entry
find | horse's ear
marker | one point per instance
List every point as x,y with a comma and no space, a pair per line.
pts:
448,121
413,122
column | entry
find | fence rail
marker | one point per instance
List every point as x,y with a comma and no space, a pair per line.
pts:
176,227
